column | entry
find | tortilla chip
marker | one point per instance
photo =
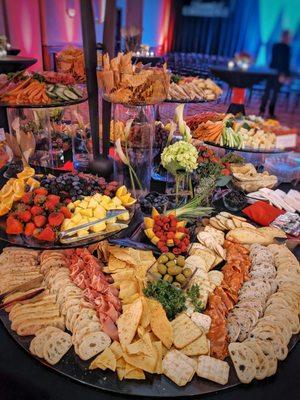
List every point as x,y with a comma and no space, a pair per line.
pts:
114,264
138,347
105,360
129,300
135,374
159,323
127,289
146,362
116,348
159,351
128,322
145,318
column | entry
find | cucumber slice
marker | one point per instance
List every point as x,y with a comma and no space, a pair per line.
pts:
70,95
51,95
76,91
50,88
60,94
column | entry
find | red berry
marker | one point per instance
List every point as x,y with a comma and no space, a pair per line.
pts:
49,205
24,216
56,218
13,226
29,229
67,213
53,198
170,235
41,190
46,234
36,210
166,227
39,220
27,198
164,249
39,199
176,251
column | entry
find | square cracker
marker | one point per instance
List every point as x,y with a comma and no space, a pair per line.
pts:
212,369
185,331
177,367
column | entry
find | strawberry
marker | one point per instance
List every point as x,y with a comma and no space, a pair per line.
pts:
36,210
49,205
53,198
39,199
67,213
56,218
39,220
13,226
29,229
41,190
46,234
27,198
24,215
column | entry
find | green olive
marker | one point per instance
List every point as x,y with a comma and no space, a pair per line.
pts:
187,272
163,259
170,256
180,278
162,269
181,261
168,278
154,269
176,284
156,275
171,264
174,270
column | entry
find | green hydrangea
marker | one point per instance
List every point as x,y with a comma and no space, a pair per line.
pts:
180,157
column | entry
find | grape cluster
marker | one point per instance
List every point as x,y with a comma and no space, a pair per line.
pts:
154,199
74,186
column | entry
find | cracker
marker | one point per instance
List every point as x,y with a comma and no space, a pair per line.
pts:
185,331
177,367
212,369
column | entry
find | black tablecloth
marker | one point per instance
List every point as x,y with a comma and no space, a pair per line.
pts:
237,77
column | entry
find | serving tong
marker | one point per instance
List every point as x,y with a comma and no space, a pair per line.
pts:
68,236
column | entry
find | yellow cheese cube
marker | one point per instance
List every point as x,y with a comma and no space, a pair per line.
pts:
123,217
97,197
71,206
76,218
117,201
99,212
92,204
88,212
83,204
98,227
105,199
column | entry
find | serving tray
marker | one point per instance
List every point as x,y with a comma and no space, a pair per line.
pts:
154,385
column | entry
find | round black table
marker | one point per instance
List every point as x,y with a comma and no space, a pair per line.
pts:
13,52
240,79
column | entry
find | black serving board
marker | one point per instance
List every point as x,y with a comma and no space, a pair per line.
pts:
154,385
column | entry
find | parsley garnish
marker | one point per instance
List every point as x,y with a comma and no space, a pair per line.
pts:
171,298
193,295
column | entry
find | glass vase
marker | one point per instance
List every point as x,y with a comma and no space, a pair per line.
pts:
179,188
133,166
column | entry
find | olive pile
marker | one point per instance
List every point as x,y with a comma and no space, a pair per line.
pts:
171,269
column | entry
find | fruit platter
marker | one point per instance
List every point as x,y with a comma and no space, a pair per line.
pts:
46,210
44,89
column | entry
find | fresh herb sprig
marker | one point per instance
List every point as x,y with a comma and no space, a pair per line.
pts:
193,295
171,298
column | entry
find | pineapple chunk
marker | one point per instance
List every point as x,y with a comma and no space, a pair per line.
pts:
88,212
83,232
87,198
76,219
67,224
100,212
92,204
108,206
98,227
97,197
77,202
